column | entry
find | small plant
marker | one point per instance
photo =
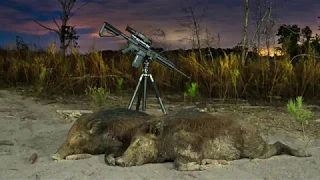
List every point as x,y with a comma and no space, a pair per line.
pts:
300,113
119,84
42,79
97,95
234,107
191,90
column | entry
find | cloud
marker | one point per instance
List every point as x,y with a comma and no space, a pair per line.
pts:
137,1
46,6
11,16
85,31
223,17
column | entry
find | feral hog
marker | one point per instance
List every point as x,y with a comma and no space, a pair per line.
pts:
194,140
96,133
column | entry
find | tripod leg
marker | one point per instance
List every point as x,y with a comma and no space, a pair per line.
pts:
135,92
144,104
157,94
140,91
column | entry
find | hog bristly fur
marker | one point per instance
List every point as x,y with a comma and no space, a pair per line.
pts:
104,131
187,140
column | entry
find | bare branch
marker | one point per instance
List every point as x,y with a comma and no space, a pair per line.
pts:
259,25
68,8
203,14
62,2
93,76
84,4
50,29
245,33
300,55
56,23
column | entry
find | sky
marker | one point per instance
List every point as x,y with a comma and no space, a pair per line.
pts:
223,17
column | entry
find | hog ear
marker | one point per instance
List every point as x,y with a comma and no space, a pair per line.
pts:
94,126
157,128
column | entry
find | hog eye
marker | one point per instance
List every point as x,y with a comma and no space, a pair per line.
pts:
138,142
78,136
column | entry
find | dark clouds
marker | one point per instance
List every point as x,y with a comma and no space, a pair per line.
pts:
136,1
223,17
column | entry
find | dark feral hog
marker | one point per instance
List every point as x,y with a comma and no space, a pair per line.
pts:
106,130
192,141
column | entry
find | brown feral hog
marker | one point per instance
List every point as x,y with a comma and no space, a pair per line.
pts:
96,133
192,141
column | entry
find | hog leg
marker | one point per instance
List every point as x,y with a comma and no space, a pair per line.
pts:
141,151
188,152
278,148
112,153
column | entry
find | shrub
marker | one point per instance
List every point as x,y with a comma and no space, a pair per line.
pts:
301,114
191,90
98,96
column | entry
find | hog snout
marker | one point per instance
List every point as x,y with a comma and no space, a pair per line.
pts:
57,156
62,152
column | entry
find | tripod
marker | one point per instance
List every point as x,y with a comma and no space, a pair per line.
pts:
144,76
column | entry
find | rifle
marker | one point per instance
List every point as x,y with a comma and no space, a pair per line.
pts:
139,44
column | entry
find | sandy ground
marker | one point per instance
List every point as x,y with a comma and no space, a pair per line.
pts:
34,127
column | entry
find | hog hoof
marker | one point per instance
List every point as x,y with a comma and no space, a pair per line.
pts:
303,153
213,162
56,157
190,166
110,160
121,162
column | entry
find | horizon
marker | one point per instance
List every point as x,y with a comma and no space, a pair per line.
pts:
223,18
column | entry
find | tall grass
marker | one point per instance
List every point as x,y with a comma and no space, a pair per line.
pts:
221,77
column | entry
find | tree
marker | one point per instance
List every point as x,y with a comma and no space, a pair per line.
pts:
268,29
263,16
315,43
289,36
258,18
67,34
306,34
21,45
193,21
319,25
245,32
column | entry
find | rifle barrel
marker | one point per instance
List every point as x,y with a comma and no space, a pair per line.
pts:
170,65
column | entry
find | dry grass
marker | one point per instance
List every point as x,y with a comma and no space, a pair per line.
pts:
223,77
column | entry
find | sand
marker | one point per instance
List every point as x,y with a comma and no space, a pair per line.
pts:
35,127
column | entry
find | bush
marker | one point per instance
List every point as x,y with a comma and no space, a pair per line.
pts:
191,91
301,114
98,96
